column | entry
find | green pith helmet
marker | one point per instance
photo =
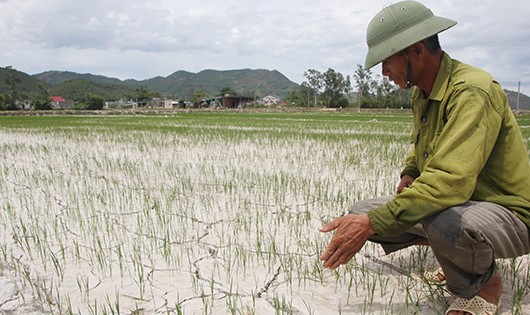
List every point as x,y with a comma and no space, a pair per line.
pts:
398,26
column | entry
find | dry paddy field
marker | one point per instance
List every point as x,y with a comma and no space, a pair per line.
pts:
206,213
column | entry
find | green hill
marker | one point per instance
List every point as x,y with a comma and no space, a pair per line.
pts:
77,88
22,82
69,85
58,77
245,82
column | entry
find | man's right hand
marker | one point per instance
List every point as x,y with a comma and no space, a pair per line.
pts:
351,232
406,181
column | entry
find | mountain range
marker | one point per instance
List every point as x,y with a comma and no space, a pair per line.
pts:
180,84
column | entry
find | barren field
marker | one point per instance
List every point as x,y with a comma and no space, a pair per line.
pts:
206,213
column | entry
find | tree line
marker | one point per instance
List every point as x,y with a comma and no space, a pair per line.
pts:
333,89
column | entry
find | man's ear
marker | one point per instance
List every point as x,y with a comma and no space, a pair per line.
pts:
419,50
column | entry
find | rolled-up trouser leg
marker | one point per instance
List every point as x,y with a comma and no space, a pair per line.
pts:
466,239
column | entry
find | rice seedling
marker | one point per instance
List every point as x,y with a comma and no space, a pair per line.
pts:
206,213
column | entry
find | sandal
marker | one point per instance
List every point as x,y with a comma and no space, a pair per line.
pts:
475,306
435,277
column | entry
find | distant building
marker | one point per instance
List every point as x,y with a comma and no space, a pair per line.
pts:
58,102
25,104
236,101
156,102
271,100
55,100
168,104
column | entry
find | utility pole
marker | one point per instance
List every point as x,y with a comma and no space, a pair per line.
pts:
518,92
359,97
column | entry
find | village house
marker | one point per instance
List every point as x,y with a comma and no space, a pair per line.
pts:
24,104
271,100
229,101
58,102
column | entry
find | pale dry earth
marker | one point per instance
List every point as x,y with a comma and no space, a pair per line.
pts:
154,223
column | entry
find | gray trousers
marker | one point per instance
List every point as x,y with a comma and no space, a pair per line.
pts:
465,239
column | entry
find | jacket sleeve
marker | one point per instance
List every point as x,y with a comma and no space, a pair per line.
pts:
410,165
456,157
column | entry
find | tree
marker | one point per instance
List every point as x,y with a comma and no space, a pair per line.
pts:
92,102
295,99
335,87
313,86
142,93
6,101
383,88
229,91
330,87
12,80
363,82
198,96
306,94
42,100
399,98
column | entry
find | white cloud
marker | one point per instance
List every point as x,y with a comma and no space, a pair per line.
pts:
142,39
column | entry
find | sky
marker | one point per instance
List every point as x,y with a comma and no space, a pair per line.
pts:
133,39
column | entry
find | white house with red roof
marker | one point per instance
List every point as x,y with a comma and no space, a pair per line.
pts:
60,102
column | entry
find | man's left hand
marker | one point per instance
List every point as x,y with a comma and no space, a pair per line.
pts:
352,232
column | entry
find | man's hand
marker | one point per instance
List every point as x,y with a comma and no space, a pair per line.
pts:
406,181
352,232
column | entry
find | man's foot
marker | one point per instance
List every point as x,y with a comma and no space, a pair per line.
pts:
491,293
436,277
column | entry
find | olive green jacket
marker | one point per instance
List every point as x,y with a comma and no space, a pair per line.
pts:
467,146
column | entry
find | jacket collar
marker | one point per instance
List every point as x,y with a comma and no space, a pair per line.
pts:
440,83
442,78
